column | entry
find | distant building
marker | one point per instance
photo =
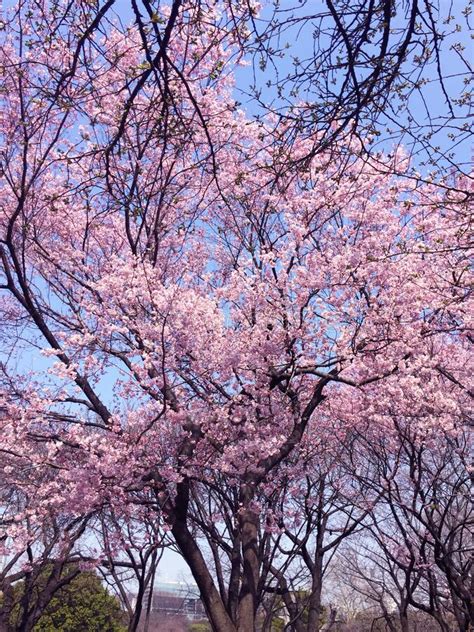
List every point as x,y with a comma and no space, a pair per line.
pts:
177,599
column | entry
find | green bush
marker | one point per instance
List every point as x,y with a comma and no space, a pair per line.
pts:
83,605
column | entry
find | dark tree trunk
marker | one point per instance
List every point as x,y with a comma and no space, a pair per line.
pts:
248,598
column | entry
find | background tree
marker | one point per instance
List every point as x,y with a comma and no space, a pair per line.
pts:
321,507
132,552
41,564
417,552
81,604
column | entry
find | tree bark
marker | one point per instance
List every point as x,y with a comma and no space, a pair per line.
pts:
218,617
215,608
249,525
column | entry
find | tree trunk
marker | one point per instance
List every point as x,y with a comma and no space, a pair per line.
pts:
7,606
404,623
247,609
216,612
135,620
314,607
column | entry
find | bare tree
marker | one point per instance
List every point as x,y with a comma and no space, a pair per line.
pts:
417,551
133,551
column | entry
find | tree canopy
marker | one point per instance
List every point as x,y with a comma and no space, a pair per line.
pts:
217,325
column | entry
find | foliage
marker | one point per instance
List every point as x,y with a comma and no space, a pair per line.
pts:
199,626
83,605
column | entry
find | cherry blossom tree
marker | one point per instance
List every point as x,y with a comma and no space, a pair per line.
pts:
195,312
379,70
321,505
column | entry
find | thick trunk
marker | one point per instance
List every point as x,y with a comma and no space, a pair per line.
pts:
247,609
404,623
216,612
315,606
215,608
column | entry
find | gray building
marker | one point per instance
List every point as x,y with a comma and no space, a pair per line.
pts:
177,599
